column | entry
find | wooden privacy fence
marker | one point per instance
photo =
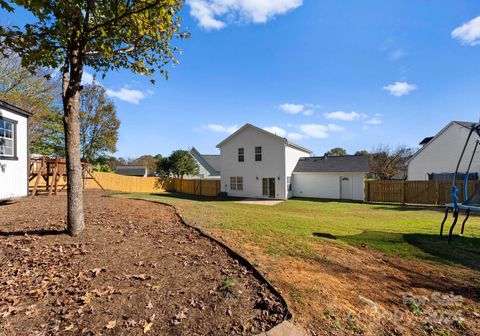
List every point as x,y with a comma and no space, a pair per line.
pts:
198,187
116,182
414,192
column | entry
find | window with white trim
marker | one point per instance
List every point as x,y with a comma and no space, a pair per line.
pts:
258,153
236,183
7,138
289,183
241,154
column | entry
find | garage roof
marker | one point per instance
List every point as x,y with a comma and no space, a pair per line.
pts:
332,164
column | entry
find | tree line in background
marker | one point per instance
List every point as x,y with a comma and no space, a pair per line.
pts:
38,92
385,162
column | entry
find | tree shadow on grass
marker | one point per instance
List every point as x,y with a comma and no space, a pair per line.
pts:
463,250
32,233
197,198
399,207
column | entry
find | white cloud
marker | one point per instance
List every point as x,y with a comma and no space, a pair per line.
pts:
128,95
374,121
345,116
468,33
220,128
216,14
87,78
276,130
295,136
308,112
292,108
315,130
399,89
305,109
335,128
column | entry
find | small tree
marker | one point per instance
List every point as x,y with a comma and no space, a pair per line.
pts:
178,164
98,123
387,163
148,161
361,153
337,151
104,35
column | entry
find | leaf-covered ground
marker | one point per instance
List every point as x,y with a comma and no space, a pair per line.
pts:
352,268
135,270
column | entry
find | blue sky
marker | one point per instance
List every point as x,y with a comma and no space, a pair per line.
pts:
327,73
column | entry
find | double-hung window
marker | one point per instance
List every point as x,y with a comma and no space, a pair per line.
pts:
258,153
236,183
7,138
241,154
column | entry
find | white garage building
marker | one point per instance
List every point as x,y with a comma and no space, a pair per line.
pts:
334,177
14,162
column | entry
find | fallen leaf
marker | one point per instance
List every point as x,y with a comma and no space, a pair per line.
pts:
111,324
98,270
69,328
147,326
149,305
87,299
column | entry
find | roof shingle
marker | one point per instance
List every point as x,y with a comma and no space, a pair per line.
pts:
332,164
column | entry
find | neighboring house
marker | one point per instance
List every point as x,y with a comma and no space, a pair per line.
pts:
439,154
336,177
208,164
14,151
141,171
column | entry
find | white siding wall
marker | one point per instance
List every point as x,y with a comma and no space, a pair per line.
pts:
326,185
442,154
272,164
292,155
14,173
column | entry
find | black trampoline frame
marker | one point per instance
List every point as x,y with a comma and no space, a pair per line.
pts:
457,207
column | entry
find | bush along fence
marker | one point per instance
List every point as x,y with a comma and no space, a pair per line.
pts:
414,192
116,182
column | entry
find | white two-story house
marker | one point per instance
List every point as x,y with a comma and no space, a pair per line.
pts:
257,163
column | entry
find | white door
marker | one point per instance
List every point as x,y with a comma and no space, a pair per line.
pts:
346,188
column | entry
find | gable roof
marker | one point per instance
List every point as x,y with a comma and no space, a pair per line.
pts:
210,162
466,124
131,170
332,164
12,108
285,140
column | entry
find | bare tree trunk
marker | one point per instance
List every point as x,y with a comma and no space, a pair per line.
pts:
72,75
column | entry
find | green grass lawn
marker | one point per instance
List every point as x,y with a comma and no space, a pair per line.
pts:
295,227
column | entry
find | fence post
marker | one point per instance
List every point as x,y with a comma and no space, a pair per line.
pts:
404,192
367,191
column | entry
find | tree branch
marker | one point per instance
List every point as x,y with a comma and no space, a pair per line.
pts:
122,16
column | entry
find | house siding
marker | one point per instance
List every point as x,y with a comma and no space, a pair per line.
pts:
327,185
271,166
292,155
442,153
14,173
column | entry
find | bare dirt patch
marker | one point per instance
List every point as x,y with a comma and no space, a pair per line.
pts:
136,269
